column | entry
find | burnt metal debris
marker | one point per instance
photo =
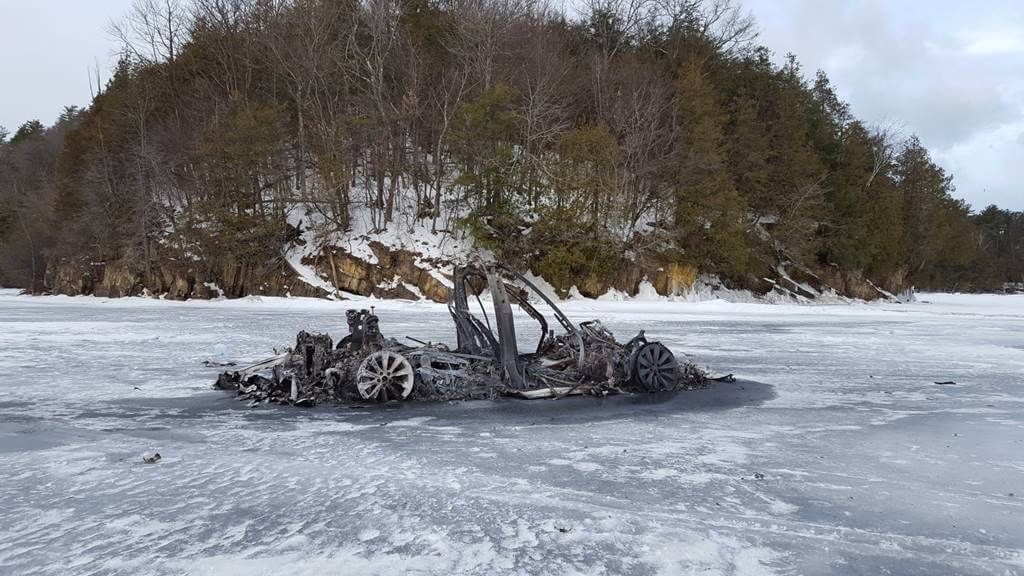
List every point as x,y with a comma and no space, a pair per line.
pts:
365,366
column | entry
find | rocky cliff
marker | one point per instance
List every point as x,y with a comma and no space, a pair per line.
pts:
397,272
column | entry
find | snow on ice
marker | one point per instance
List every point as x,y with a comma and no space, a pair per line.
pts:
834,453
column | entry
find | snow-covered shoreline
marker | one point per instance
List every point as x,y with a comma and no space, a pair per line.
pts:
988,304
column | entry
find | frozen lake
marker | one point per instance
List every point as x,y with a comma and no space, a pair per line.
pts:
834,453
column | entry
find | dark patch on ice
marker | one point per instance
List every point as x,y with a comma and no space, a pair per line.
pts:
204,405
26,440
17,418
147,414
159,433
203,402
719,396
158,419
30,434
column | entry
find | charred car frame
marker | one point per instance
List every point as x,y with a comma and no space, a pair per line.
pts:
365,366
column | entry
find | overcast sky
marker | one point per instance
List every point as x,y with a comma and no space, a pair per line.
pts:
951,72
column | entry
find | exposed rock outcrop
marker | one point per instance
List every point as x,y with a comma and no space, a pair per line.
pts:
175,281
387,272
395,274
673,279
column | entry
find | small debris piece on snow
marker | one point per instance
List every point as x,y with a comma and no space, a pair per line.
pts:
151,459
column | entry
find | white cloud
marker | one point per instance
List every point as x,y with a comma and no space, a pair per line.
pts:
994,42
988,166
846,57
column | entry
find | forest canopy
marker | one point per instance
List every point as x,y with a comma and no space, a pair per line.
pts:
635,130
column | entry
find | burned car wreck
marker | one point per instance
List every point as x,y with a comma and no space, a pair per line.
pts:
365,366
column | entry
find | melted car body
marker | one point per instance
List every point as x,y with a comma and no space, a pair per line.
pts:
366,366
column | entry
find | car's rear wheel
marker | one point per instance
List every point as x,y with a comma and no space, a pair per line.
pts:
655,367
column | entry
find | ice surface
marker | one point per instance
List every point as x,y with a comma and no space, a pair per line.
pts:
868,466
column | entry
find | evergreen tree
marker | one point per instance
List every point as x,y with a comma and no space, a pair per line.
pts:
30,129
884,220
709,213
749,154
795,193
849,238
921,184
938,239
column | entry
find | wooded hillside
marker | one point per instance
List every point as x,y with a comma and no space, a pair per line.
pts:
639,133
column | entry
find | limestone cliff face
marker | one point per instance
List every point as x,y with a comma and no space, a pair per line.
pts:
674,279
393,275
668,280
401,273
